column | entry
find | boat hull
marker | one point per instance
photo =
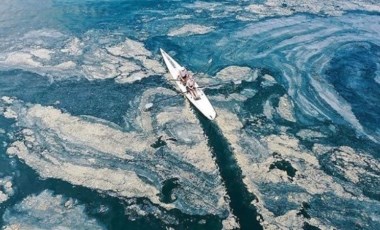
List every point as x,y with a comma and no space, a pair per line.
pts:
201,102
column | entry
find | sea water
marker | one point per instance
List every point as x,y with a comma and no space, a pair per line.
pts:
295,143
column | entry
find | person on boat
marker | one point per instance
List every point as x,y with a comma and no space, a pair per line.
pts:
183,75
190,86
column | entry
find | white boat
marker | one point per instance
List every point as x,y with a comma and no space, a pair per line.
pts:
201,102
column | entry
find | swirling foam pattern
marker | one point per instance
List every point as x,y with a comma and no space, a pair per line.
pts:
330,66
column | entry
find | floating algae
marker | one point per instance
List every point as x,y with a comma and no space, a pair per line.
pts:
98,154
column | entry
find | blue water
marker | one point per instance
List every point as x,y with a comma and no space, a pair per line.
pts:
329,66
